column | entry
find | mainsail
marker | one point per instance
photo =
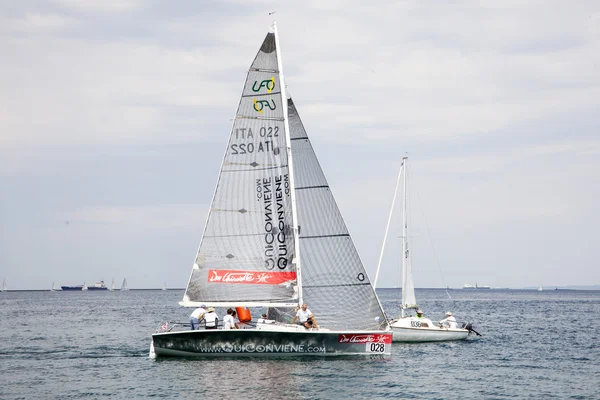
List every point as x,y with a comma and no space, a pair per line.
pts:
246,255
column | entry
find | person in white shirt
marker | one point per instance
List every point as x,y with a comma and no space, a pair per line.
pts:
305,317
197,316
211,319
449,321
228,321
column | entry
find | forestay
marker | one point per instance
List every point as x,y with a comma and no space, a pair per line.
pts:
246,252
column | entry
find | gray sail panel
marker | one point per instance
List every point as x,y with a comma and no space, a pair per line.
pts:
247,247
334,282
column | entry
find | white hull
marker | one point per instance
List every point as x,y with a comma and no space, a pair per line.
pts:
404,331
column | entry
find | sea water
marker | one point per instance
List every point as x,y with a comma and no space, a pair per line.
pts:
72,345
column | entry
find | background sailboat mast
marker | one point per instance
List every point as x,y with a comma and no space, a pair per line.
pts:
288,146
404,233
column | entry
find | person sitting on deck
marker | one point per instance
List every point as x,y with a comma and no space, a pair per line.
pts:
305,317
197,316
448,322
419,313
228,321
211,319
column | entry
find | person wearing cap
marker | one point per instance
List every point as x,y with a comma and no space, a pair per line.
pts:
448,322
197,316
419,313
211,319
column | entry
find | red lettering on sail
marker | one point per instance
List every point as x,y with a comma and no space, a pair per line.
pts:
250,277
377,338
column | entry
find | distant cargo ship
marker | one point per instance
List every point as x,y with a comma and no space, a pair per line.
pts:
476,287
98,286
78,287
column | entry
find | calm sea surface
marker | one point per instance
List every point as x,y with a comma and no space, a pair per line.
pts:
95,344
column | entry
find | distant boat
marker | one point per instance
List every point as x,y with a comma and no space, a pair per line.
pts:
112,285
124,284
54,289
540,289
98,286
4,288
84,287
409,328
77,287
476,287
164,286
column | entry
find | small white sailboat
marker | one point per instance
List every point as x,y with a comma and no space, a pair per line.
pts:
112,285
540,289
84,287
164,286
415,328
4,288
54,288
252,253
124,285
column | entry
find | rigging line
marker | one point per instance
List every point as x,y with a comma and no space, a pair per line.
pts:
299,138
432,246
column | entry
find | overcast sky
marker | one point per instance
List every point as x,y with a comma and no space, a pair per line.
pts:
114,116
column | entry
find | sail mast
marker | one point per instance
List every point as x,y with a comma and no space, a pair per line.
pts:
288,145
404,233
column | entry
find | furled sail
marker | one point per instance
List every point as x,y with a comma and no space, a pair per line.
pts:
246,253
335,284
409,299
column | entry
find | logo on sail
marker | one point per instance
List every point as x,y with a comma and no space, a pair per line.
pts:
376,338
268,83
250,277
259,105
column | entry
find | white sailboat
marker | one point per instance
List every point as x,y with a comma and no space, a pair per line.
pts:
84,287
124,285
540,289
54,288
414,328
4,288
164,286
112,285
253,253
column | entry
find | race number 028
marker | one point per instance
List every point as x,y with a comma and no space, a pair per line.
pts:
375,347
